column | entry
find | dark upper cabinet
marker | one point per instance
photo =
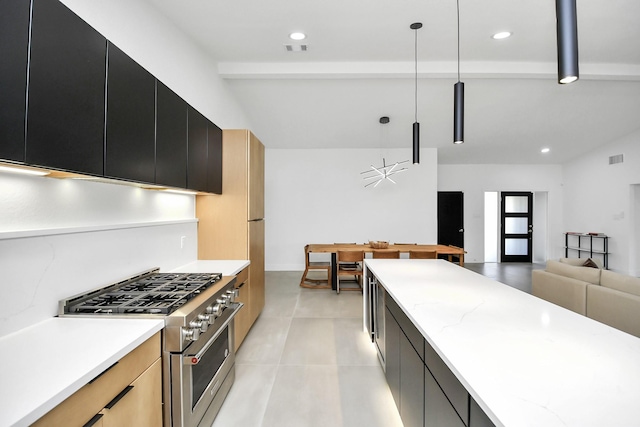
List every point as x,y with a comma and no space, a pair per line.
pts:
130,123
171,138
197,153
14,48
65,117
214,158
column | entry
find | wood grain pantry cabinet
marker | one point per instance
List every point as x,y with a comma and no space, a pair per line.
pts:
426,392
65,122
130,120
129,393
14,46
231,225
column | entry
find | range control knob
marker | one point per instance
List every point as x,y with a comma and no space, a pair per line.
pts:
197,327
233,294
224,300
191,334
205,321
216,309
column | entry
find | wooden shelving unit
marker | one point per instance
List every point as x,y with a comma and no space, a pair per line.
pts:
582,243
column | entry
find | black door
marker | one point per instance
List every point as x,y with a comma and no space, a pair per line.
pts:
130,134
65,118
171,138
451,218
516,222
14,41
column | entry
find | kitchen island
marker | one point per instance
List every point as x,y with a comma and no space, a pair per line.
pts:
524,361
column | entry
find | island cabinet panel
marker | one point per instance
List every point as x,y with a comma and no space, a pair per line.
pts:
66,100
411,385
438,411
197,151
392,334
14,48
171,138
214,158
130,126
477,417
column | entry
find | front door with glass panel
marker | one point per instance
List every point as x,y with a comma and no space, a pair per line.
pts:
516,226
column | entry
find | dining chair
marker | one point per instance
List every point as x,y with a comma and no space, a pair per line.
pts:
423,255
353,265
346,260
315,283
382,254
450,256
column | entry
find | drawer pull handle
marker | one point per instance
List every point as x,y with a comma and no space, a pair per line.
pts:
93,420
102,373
116,399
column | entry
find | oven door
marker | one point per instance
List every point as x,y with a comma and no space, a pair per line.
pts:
202,375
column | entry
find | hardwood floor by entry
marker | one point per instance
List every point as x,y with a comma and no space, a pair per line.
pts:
306,361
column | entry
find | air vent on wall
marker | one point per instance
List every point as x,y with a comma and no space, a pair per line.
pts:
618,158
296,47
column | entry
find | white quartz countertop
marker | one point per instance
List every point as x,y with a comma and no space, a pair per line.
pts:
526,362
226,267
42,365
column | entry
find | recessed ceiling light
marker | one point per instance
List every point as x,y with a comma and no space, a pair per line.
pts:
297,36
545,150
501,35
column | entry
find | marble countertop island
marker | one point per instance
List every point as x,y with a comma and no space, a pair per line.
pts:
526,362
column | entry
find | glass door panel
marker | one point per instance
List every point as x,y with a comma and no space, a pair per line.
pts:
517,227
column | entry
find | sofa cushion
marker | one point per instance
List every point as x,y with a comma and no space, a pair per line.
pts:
560,290
614,308
620,282
585,274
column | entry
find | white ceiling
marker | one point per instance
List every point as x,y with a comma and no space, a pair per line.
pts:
359,66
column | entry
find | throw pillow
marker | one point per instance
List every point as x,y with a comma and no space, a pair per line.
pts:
590,263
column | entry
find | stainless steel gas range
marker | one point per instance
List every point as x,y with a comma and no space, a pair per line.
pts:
198,348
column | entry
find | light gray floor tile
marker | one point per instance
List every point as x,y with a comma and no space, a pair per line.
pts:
265,341
282,281
326,303
311,341
246,403
280,304
352,345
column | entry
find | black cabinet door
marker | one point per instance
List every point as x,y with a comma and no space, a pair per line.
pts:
65,118
14,48
438,411
197,154
171,138
130,127
392,334
477,416
214,158
411,385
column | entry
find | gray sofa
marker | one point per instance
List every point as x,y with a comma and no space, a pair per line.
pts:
603,295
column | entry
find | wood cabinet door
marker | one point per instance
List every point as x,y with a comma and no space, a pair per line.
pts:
256,268
256,178
141,406
65,121
197,151
171,138
14,47
242,321
130,127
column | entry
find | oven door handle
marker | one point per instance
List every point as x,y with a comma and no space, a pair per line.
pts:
195,359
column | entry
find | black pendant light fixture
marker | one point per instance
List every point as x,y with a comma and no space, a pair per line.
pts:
567,34
416,126
458,95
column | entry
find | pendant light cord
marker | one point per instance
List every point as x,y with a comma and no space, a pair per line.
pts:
416,74
458,14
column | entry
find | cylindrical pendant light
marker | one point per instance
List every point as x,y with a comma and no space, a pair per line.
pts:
458,96
458,113
416,126
567,34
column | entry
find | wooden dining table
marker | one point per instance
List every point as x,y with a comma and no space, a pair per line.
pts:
333,248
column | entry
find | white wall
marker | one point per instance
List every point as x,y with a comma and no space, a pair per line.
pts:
154,42
475,180
599,197
318,196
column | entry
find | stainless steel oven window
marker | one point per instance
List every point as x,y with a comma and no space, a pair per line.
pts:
207,368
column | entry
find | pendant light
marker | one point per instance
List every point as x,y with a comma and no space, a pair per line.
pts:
458,95
416,126
567,39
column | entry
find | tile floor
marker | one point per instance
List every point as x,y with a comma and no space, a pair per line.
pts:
306,362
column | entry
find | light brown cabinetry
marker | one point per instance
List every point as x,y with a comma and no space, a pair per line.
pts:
242,322
132,388
231,225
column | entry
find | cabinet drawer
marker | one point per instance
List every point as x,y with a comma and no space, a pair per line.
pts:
413,334
80,407
242,277
452,388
